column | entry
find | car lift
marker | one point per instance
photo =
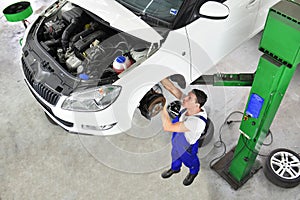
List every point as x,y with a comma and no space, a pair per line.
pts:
280,44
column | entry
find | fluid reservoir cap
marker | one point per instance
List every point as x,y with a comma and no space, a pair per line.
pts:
84,77
121,63
17,11
121,59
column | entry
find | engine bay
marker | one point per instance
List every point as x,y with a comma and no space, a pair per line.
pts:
87,46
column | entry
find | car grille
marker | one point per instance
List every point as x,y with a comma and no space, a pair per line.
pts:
27,72
66,123
46,93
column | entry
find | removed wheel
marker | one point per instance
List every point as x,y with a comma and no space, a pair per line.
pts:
282,168
207,134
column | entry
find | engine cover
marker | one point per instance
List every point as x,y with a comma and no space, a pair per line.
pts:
85,42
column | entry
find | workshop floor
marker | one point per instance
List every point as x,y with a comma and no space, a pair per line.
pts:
41,161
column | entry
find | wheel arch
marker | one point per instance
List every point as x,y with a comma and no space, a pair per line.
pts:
142,78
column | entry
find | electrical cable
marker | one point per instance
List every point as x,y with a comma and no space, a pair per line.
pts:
236,155
271,135
233,121
252,150
220,142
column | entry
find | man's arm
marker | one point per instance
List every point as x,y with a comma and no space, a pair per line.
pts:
171,88
169,126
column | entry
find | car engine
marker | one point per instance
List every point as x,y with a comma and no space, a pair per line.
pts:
87,47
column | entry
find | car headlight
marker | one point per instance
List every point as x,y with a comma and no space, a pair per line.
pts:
94,99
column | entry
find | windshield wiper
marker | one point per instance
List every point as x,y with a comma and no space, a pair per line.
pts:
141,14
149,4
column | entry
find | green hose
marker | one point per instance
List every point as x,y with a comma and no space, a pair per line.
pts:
21,41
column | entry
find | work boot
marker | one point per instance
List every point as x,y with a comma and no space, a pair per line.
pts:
169,173
189,179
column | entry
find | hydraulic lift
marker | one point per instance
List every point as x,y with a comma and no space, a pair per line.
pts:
280,44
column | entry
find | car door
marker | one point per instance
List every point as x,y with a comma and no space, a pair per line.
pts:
216,38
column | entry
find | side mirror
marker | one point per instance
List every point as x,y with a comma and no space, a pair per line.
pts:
214,10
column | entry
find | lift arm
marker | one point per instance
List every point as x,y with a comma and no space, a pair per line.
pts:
220,79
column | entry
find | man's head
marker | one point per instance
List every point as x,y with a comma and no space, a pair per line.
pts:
201,96
195,99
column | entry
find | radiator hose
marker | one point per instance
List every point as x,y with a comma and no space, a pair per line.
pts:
67,32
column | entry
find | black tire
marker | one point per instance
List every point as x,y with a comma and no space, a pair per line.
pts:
209,133
50,119
282,167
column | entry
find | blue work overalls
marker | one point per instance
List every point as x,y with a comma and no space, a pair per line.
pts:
184,152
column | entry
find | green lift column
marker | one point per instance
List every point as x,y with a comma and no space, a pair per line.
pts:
281,46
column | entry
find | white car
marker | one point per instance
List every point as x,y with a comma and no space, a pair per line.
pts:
90,64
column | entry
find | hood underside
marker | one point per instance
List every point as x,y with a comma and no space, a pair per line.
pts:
121,18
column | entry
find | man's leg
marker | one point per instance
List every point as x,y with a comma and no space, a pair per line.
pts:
176,160
191,160
175,166
195,165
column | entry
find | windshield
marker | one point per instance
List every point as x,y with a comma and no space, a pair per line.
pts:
165,10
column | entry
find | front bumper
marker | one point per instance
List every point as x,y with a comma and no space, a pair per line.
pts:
104,122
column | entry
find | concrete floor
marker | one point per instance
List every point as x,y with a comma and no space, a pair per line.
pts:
41,161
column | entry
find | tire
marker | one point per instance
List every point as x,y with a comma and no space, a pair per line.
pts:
282,167
209,133
50,119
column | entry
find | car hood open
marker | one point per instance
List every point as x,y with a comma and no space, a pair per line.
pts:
121,18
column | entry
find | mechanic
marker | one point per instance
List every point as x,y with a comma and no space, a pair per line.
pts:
187,129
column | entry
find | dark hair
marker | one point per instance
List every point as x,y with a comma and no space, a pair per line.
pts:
201,96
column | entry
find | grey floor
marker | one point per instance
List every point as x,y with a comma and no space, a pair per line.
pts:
42,161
